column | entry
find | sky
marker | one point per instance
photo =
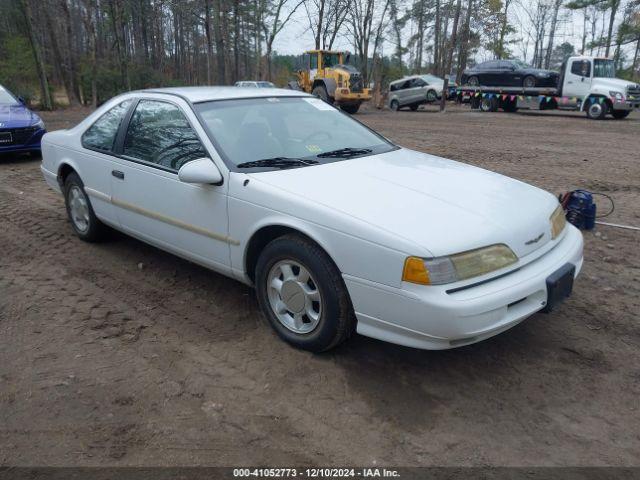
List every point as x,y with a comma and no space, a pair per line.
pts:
296,37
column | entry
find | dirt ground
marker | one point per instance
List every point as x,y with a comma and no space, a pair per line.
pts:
121,354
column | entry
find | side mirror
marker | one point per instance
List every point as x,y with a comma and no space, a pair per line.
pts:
22,100
202,170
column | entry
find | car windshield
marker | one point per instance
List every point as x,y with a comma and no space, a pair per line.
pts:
6,98
265,85
286,132
604,68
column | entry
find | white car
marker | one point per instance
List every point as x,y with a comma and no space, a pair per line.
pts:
338,229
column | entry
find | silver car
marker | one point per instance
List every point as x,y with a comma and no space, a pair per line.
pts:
413,91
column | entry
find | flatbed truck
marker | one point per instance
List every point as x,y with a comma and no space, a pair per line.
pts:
586,84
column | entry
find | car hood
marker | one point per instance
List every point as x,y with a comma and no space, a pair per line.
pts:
17,116
441,205
613,83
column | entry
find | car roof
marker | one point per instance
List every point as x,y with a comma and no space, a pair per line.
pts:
206,94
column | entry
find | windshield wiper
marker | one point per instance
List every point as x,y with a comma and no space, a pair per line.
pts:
345,152
277,162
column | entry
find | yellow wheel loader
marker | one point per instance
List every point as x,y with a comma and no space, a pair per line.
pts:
325,74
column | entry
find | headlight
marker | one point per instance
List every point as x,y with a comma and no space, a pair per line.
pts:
617,95
40,124
558,222
453,268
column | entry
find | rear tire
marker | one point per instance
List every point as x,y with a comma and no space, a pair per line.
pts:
473,81
83,220
394,105
294,274
351,109
489,104
529,82
620,114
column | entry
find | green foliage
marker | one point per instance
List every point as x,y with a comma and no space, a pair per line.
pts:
17,66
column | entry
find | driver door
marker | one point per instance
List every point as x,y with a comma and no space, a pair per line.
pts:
152,203
577,81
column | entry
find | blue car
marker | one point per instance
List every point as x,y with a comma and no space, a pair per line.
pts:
20,129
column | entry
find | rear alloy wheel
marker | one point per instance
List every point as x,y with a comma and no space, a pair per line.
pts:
529,82
394,105
489,104
83,220
302,294
620,114
596,110
473,81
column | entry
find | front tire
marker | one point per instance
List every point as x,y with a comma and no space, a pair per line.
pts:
302,294
529,82
321,92
351,109
83,220
620,114
432,96
473,81
596,110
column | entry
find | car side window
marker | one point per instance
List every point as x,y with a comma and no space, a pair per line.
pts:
160,133
102,134
417,82
581,67
505,65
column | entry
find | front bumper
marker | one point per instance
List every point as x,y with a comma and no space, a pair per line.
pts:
433,319
22,143
627,105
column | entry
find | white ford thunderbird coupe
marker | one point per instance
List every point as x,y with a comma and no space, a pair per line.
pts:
338,229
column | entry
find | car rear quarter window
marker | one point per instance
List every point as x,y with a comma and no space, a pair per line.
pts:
102,134
159,133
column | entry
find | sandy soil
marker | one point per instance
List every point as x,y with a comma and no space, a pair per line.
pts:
121,354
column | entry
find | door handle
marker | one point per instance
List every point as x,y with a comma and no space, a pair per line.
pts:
118,174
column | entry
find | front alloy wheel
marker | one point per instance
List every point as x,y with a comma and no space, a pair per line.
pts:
597,110
301,292
294,297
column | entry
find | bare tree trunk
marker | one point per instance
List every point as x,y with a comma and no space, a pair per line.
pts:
59,64
45,101
612,18
634,67
503,30
436,40
463,55
452,47
207,31
552,31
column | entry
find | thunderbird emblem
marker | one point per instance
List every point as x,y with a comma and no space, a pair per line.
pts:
534,240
